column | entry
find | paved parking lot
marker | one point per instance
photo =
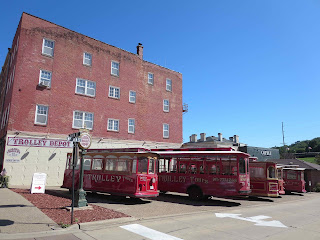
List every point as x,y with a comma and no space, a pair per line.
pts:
172,203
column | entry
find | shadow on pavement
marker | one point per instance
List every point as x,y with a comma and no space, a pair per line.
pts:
13,205
251,198
5,222
180,199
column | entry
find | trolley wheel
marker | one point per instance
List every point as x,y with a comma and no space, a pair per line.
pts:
195,193
163,192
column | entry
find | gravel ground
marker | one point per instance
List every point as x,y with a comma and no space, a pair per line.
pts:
54,207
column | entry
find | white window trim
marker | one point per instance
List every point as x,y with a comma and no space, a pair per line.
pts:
110,92
45,54
134,125
163,131
86,87
169,90
48,86
135,96
83,119
112,130
117,75
164,106
84,54
36,113
151,83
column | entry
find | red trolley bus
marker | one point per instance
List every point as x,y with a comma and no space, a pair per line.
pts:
122,172
280,179
203,173
263,179
294,180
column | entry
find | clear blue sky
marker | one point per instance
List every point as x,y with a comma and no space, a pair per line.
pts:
247,65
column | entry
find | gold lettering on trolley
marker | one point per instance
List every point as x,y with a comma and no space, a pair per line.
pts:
181,179
198,180
224,180
106,178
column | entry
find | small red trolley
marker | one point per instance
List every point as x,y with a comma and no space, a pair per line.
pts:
123,172
204,172
263,179
294,179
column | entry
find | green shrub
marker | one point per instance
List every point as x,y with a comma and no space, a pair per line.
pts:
4,181
317,188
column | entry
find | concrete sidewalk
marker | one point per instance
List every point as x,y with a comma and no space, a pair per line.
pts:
18,215
20,219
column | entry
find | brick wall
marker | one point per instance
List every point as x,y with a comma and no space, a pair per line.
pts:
67,65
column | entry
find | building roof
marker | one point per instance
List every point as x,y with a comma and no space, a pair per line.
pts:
300,163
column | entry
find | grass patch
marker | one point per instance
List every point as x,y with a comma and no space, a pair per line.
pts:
308,159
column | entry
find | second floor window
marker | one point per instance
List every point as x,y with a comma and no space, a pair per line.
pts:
87,59
168,85
82,120
47,47
166,105
113,125
86,87
132,96
41,115
45,78
114,92
150,78
165,130
114,68
131,125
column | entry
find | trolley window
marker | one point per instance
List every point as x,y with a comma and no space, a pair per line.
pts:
242,165
87,163
142,165
151,165
271,172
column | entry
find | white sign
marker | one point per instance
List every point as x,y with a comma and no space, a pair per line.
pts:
85,140
38,183
13,152
266,153
259,220
38,142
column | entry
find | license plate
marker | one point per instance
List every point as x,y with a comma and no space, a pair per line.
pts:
151,187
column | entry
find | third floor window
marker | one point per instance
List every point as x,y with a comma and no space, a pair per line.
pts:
47,47
86,87
114,68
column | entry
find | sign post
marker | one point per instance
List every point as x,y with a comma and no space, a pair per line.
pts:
84,144
73,137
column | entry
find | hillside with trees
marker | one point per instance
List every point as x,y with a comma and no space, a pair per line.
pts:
302,146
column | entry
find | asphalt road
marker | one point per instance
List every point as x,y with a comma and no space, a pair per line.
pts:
176,217
173,203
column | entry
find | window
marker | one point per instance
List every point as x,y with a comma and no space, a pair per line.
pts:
132,96
165,130
131,125
41,115
113,125
166,105
150,78
86,87
47,47
82,120
169,85
114,92
87,59
114,68
45,78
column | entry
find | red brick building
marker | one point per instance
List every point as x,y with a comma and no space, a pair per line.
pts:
56,81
